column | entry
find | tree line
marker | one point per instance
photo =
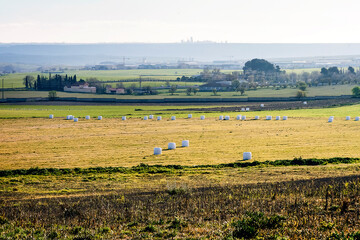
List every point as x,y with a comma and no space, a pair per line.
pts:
56,82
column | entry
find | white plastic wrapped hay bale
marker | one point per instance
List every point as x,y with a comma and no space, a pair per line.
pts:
171,145
247,156
227,117
185,143
305,103
157,151
285,117
202,117
173,118
257,117
76,119
145,118
262,105
243,109
123,118
277,118
247,109
331,119
348,118
357,118
221,117
268,117
238,117
51,116
189,115
243,117
87,117
151,116
99,117
159,118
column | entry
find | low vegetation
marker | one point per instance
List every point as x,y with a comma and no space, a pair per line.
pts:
99,179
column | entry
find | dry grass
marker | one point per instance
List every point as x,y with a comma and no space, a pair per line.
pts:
111,142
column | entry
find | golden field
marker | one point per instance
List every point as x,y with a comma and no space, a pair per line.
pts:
59,143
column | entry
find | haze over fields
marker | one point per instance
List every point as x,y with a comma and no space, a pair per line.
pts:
81,54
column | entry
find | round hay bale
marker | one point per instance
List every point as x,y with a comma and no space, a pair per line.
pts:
268,117
189,115
159,118
157,151
238,117
243,109
173,118
331,119
171,146
221,117
87,117
348,118
285,117
243,117
202,117
185,143
76,119
51,116
227,118
123,118
247,109
247,156
357,118
257,117
277,118
146,118
305,103
262,105
99,117
151,116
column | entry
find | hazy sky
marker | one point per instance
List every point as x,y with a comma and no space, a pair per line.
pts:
243,21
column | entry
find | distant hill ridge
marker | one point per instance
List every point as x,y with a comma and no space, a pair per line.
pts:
94,53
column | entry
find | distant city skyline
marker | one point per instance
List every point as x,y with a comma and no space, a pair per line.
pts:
164,21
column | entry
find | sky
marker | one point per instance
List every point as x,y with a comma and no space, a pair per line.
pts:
168,21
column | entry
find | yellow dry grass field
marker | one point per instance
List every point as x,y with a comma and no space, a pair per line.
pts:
40,142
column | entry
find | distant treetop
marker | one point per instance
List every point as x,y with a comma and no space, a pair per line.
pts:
260,65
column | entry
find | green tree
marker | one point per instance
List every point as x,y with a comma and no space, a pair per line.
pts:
195,91
260,65
300,94
235,84
214,92
351,70
302,86
172,89
188,91
52,95
356,91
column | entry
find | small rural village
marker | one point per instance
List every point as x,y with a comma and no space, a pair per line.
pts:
179,120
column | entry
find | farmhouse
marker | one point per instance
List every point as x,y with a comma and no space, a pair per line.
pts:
115,90
80,88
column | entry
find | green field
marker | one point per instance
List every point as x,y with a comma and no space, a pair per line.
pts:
96,143
16,80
